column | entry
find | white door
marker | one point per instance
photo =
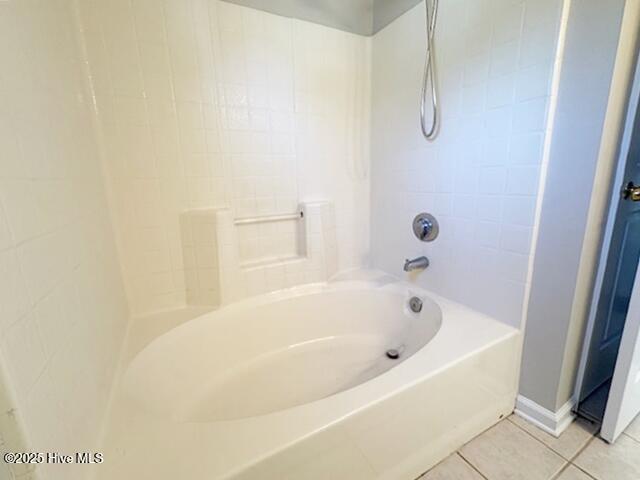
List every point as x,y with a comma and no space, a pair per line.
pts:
624,397
623,404
616,292
618,281
620,270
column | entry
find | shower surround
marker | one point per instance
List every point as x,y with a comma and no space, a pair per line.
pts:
63,310
205,104
495,60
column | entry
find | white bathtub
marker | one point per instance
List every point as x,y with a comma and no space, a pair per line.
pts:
296,384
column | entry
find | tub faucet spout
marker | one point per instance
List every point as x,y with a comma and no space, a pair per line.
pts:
419,263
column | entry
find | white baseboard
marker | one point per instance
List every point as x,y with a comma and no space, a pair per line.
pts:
553,423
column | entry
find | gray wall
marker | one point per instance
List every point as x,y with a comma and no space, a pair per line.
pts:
552,342
386,11
364,17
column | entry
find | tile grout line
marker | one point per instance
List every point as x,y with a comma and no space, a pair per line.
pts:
434,467
593,439
632,438
459,453
540,441
592,436
507,418
569,461
583,471
555,476
576,455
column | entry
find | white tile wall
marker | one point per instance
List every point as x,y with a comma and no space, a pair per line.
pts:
480,177
227,275
62,304
205,104
269,241
200,252
316,260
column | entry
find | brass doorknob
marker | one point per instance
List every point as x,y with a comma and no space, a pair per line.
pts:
631,192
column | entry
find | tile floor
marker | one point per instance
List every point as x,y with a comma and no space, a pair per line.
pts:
516,450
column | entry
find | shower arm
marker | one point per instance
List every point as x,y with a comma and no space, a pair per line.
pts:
429,71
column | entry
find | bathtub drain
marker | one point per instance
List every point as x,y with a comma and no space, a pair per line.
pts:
393,354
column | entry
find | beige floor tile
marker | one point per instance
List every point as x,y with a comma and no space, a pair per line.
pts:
506,452
573,473
633,430
453,468
620,461
570,442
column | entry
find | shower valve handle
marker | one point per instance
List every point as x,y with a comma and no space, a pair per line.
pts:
425,227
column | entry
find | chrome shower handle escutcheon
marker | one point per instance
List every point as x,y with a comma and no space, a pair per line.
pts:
425,227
